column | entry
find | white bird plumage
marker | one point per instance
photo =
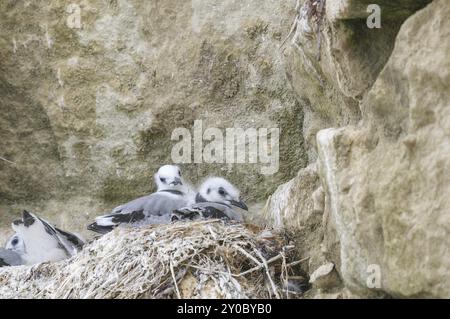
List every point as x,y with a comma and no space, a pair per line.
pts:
36,240
40,239
15,243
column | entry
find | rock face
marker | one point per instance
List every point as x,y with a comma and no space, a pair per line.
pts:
324,277
364,113
90,94
385,176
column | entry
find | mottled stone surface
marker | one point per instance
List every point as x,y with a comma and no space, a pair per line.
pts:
388,176
376,120
88,112
364,115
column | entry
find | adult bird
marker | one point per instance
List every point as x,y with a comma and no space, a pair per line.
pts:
216,198
172,193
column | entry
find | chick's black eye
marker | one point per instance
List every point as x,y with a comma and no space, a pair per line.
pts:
162,179
221,192
15,241
179,173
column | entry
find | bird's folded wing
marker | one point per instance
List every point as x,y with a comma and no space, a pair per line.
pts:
72,242
140,209
9,258
206,210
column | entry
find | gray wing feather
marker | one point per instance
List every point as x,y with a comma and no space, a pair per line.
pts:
9,258
72,242
155,204
208,210
156,208
163,204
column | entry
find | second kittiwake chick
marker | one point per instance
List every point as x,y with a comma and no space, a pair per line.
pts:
216,198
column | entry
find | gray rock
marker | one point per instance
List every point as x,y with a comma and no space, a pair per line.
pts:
325,277
387,177
379,132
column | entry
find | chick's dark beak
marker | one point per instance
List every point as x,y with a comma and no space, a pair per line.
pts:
239,204
176,181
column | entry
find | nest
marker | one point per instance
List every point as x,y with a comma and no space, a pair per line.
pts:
206,259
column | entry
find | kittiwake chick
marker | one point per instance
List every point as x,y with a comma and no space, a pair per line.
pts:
216,198
73,242
40,239
172,193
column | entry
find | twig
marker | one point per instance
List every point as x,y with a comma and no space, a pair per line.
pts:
264,261
209,270
297,262
260,265
243,251
6,160
284,273
174,280
213,234
293,27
